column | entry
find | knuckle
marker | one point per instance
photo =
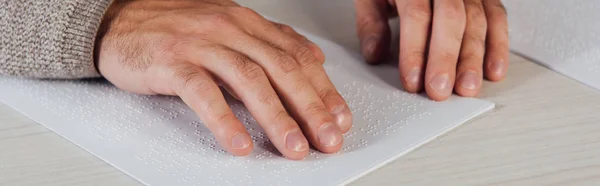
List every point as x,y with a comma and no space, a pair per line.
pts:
418,12
476,22
252,73
475,10
454,12
300,86
477,4
500,7
328,92
448,56
285,63
281,115
221,118
184,75
268,98
246,70
315,108
286,28
190,79
414,57
478,41
220,20
319,52
169,48
471,56
304,56
245,12
199,86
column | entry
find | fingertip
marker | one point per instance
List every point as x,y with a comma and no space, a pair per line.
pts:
412,88
343,117
412,80
346,127
467,92
243,152
330,138
496,69
296,145
296,155
332,149
439,86
373,49
468,83
240,144
437,96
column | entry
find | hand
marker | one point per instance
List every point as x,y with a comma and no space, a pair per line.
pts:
188,47
444,44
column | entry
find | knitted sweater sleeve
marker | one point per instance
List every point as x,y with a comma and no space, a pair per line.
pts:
49,38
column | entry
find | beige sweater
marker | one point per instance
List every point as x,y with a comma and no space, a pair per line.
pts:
49,38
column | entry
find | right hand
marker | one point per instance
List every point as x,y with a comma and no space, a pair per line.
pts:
187,48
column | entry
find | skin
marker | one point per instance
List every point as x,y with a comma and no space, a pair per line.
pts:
445,45
187,48
195,49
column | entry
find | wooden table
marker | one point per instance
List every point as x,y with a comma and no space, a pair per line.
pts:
545,128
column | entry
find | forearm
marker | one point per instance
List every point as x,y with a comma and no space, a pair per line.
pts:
50,38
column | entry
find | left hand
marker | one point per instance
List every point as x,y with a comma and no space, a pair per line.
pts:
445,45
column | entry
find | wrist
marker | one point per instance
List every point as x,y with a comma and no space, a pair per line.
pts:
104,28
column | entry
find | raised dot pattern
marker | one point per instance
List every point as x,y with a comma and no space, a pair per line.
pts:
160,141
561,35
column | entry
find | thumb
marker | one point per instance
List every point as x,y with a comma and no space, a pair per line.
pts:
373,29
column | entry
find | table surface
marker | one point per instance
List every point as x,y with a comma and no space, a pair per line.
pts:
545,128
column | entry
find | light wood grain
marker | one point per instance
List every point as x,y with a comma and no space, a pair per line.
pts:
544,131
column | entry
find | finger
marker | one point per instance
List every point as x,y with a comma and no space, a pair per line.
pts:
250,83
334,102
284,72
198,90
231,92
496,58
319,105
312,46
415,21
448,28
373,29
470,63
222,3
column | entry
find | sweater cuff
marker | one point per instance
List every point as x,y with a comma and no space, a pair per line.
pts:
57,40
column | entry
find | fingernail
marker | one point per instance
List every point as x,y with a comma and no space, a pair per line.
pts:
439,83
498,67
469,80
369,44
338,114
240,141
413,76
295,141
330,135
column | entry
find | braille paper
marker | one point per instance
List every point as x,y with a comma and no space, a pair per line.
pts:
561,35
158,140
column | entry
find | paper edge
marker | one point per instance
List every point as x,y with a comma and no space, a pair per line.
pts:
398,154
562,71
75,143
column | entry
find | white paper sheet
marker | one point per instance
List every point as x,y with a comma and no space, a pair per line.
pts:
159,141
561,35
